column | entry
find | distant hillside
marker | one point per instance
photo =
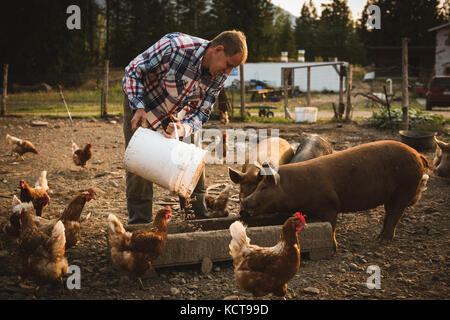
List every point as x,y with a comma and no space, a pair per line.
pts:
290,15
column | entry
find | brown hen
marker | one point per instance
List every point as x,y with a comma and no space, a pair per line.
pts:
42,255
81,156
71,218
261,270
21,146
38,196
133,252
217,205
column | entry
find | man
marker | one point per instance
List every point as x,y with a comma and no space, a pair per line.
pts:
178,74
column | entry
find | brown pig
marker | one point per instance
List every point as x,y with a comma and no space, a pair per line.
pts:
441,160
249,178
387,173
312,146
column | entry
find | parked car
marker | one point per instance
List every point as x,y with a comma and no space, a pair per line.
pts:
438,93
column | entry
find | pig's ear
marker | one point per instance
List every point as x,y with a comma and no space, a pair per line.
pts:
256,164
270,173
235,176
442,145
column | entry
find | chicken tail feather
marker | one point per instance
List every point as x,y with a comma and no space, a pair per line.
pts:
225,192
27,206
12,139
118,236
74,147
16,201
58,239
114,225
239,238
42,182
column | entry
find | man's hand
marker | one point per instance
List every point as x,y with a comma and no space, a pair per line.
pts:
139,118
170,128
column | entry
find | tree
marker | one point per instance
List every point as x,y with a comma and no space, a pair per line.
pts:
253,17
191,15
136,25
335,26
305,30
40,47
399,19
283,34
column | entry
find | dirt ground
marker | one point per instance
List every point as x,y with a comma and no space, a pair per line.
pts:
413,266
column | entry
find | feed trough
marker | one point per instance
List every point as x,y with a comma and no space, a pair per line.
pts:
187,245
419,140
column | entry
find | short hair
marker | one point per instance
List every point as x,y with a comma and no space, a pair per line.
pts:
233,41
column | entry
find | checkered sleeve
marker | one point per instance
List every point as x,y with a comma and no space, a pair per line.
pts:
154,60
195,119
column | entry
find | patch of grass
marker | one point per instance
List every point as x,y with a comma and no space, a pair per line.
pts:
115,95
418,120
268,120
60,110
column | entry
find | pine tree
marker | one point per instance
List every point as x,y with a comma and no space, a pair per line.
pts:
399,19
39,47
283,35
191,16
334,28
253,17
305,30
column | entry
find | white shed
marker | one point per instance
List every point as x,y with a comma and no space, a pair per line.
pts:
442,59
322,78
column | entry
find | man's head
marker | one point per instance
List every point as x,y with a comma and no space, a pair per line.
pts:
225,52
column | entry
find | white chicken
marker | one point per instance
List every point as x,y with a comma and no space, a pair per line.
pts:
42,182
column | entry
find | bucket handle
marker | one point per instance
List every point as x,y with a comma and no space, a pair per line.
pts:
176,131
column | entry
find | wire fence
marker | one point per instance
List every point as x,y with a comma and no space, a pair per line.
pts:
42,98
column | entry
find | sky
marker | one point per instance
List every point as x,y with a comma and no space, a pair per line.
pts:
294,6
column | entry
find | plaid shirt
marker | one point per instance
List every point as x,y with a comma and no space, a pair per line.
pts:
167,78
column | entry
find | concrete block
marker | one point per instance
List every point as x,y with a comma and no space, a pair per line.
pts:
192,247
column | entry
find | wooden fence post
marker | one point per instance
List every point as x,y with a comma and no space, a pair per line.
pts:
287,75
65,104
405,97
104,106
308,87
5,90
241,72
341,93
349,84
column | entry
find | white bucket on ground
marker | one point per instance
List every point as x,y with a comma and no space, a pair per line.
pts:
173,164
307,114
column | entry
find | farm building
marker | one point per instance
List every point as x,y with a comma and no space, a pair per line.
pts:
322,78
442,53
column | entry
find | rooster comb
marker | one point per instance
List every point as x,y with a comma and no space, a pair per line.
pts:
168,208
300,216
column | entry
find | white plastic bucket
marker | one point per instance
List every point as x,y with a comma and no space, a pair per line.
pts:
307,114
173,164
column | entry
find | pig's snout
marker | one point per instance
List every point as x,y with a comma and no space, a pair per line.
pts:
245,211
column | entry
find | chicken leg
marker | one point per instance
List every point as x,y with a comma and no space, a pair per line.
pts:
142,285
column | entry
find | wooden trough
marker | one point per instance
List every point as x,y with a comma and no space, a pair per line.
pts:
187,245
